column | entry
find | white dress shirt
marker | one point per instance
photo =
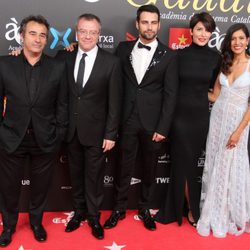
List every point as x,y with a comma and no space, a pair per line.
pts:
141,59
89,63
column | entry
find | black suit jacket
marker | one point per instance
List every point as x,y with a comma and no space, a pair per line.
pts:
96,111
48,111
155,96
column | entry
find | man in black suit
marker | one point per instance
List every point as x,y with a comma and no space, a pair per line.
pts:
150,88
33,124
94,77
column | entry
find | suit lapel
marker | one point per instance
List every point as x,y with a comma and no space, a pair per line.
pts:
129,61
96,68
71,58
160,52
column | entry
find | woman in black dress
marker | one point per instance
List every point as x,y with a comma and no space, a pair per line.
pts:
198,69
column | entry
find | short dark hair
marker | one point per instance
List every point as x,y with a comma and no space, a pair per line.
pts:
147,8
89,17
38,19
226,51
206,19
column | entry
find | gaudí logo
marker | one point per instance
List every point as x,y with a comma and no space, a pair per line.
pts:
234,6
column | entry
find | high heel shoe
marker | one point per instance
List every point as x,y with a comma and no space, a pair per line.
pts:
192,223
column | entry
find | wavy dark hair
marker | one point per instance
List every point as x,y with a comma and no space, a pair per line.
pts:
226,51
38,19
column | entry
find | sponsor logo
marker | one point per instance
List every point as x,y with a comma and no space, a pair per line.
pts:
25,182
179,38
108,181
106,41
64,220
12,33
162,180
134,181
60,37
201,160
130,37
216,39
164,158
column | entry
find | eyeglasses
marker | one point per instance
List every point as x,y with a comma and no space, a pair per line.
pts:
91,33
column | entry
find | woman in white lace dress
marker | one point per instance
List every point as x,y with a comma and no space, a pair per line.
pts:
225,197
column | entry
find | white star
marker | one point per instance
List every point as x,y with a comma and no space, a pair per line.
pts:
22,248
115,246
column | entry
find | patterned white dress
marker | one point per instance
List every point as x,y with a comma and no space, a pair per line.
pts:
225,196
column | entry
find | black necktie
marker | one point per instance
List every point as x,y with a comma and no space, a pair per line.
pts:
140,46
80,74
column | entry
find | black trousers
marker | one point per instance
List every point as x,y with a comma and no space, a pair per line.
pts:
133,136
11,173
87,165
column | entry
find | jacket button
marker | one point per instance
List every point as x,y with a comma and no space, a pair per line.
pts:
79,98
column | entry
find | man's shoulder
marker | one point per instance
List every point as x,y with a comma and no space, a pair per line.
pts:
53,62
108,55
9,59
126,44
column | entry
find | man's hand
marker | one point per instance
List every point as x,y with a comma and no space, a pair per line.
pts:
107,145
16,52
158,137
70,47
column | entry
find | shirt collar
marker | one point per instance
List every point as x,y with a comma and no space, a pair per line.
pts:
90,53
38,63
153,44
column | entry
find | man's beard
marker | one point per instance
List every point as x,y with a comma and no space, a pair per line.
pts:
148,37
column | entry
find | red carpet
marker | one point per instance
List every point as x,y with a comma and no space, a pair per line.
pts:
128,235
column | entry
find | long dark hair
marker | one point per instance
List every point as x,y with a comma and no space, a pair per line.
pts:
226,51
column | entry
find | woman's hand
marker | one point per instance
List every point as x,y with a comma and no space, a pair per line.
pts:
233,140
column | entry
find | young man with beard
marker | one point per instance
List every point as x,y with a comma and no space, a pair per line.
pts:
150,88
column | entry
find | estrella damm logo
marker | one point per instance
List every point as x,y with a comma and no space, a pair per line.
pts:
179,38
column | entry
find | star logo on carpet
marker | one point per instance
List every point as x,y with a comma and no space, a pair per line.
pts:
115,246
22,248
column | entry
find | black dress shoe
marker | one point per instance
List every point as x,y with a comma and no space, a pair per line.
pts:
113,219
5,238
74,223
148,221
97,230
39,233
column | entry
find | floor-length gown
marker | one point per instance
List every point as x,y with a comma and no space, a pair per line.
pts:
198,69
225,197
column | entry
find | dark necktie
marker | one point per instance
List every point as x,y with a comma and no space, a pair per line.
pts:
80,74
141,46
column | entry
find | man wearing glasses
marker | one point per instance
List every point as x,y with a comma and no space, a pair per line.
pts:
94,77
